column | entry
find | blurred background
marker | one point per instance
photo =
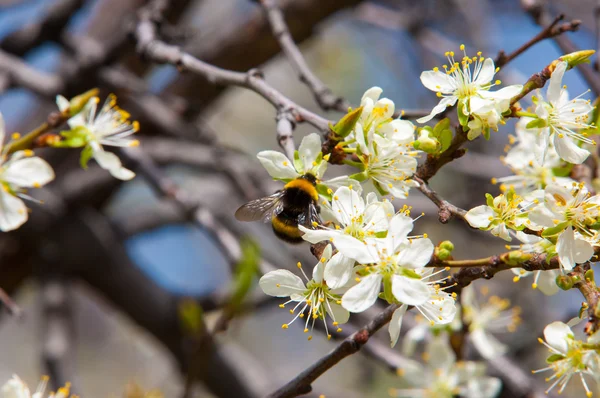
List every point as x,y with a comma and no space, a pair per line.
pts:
101,269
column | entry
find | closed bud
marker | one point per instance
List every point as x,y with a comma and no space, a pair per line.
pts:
443,254
565,282
426,142
589,275
346,124
516,257
79,101
577,57
447,245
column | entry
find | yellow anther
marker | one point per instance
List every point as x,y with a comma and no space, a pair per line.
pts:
284,326
15,136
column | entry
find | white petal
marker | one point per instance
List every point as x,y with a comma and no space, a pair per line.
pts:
414,336
364,253
317,235
400,226
363,295
504,93
437,81
62,103
409,291
346,205
309,150
2,131
15,388
542,216
568,150
28,172
338,271
13,212
440,354
416,254
483,387
376,216
387,106
338,313
555,84
400,131
281,283
547,282
487,345
439,108
571,251
487,72
501,231
277,165
122,173
373,93
479,217
318,272
396,324
556,335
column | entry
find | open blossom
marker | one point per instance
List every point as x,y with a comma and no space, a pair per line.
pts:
494,316
561,120
16,388
468,83
313,300
386,164
18,172
568,214
108,127
352,218
569,357
528,173
500,215
443,377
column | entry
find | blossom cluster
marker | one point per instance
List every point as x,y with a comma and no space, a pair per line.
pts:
89,129
367,250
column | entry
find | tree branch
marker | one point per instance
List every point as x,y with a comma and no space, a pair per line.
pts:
446,209
323,95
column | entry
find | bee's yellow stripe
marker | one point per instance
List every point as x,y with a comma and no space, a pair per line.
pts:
289,230
304,185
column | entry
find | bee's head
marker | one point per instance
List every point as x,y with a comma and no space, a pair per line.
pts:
310,178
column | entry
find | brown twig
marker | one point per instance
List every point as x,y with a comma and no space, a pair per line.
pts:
323,95
158,51
590,292
552,30
301,384
9,303
446,209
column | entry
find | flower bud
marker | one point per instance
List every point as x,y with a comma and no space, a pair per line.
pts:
426,143
346,124
577,57
443,254
565,282
589,275
447,245
516,257
79,101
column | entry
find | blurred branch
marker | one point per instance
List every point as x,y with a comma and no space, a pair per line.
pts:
19,73
446,209
323,95
590,292
301,384
551,30
520,382
150,47
10,305
49,27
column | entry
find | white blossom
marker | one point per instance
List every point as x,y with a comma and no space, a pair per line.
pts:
545,280
469,87
16,388
501,214
108,127
18,172
561,120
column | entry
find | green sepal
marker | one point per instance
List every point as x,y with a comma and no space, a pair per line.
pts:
489,200
347,123
77,103
85,157
74,138
536,124
463,118
578,57
555,229
380,189
554,358
360,177
410,273
445,139
387,289
323,190
486,133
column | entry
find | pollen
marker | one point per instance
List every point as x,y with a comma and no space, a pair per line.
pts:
15,136
285,326
299,264
309,338
281,305
134,143
534,285
285,164
462,47
28,152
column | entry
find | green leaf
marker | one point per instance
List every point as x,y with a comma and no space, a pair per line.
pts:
245,273
380,189
191,316
555,229
86,155
347,123
74,138
445,139
442,125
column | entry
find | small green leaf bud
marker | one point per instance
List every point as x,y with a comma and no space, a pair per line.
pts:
577,57
443,254
447,245
426,142
346,124
565,282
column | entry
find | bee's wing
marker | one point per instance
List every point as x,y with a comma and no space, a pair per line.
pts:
261,209
309,216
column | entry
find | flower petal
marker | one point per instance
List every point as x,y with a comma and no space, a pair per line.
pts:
277,165
409,291
555,84
373,93
396,324
486,344
338,271
440,354
416,253
547,282
346,205
438,81
483,387
571,251
62,103
556,335
364,253
479,217
13,212
281,283
363,295
400,226
338,313
439,108
486,73
309,150
28,172
568,150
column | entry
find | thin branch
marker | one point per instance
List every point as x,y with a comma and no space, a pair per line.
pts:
285,129
550,31
323,95
590,292
10,305
158,51
19,73
301,384
446,209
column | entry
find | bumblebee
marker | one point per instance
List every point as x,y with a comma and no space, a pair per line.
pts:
295,204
